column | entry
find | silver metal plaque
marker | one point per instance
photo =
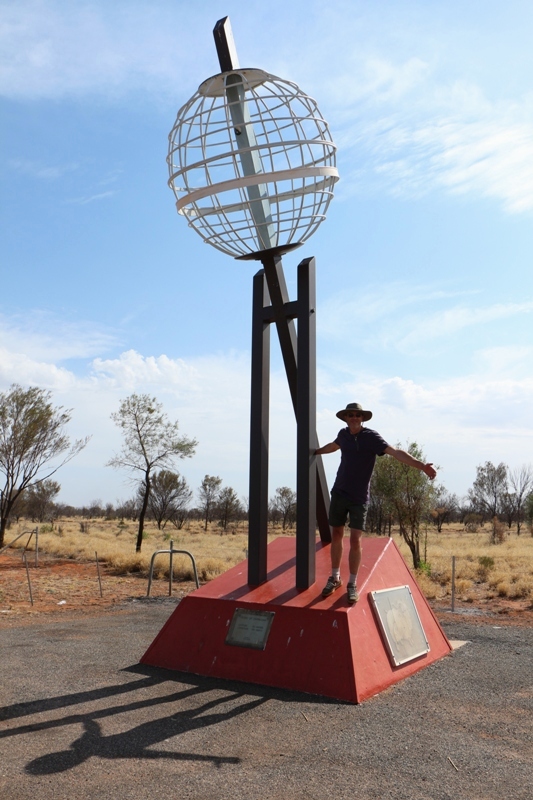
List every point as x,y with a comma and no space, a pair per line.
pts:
400,624
250,628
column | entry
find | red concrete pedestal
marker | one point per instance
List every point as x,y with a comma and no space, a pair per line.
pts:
315,645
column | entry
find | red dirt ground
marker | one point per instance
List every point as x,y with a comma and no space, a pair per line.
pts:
63,586
66,587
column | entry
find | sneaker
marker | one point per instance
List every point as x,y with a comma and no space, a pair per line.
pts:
331,586
353,594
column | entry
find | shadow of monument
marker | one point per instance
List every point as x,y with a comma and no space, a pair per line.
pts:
137,742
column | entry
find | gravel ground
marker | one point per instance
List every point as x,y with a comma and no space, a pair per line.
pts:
81,719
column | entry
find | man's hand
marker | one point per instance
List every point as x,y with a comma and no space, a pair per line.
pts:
407,458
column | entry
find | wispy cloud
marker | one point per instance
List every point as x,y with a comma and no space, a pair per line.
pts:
448,322
457,141
39,171
511,360
403,120
453,417
41,337
460,422
93,198
409,318
53,49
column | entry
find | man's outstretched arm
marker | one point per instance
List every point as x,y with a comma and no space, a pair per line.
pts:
406,458
332,447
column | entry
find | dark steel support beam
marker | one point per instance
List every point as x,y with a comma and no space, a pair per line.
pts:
306,427
282,313
271,305
279,297
259,433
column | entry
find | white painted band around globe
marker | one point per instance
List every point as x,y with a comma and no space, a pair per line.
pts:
254,180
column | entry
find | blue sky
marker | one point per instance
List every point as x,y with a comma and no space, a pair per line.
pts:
424,264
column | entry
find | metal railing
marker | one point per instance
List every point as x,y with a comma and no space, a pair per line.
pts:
172,552
34,532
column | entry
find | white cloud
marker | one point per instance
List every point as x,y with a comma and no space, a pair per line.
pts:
460,421
426,328
489,158
441,139
42,337
402,118
83,201
506,361
53,49
37,170
408,318
18,368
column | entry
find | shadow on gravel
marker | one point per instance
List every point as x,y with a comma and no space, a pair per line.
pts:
138,742
133,743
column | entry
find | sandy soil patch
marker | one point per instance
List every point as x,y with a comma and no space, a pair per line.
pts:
68,587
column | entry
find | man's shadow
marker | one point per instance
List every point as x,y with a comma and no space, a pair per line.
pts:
136,742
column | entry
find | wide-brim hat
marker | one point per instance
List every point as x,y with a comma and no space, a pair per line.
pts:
343,413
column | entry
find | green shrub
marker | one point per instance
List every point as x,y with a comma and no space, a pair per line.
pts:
425,568
486,563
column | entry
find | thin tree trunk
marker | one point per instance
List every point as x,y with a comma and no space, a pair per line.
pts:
143,512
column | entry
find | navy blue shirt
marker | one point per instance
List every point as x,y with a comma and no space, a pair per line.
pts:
358,456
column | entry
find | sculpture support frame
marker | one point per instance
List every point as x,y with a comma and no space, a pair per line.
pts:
299,357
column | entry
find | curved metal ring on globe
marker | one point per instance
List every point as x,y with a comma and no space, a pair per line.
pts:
251,163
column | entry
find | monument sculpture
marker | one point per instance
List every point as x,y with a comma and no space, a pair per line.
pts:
252,166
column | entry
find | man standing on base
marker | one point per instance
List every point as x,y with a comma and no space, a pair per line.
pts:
350,493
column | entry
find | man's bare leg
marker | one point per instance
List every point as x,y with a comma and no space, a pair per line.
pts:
354,561
334,582
354,558
337,536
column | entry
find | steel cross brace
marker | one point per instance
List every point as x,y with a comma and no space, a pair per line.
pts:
271,305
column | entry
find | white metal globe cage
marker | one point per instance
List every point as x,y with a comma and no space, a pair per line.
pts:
251,163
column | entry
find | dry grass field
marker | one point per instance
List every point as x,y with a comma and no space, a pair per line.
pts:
484,572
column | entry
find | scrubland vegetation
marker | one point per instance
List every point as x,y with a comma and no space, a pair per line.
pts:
489,531
484,570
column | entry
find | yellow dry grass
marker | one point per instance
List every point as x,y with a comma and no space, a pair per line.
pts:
214,551
483,570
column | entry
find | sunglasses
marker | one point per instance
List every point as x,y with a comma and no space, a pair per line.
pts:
354,414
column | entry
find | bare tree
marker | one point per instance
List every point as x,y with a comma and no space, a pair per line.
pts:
489,488
521,482
208,494
228,506
32,438
528,511
380,507
444,505
150,441
284,502
169,496
39,500
508,508
128,509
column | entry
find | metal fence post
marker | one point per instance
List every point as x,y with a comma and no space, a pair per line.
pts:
453,583
170,569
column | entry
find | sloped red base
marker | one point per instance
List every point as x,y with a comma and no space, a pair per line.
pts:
315,645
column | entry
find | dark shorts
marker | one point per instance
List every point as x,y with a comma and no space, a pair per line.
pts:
341,508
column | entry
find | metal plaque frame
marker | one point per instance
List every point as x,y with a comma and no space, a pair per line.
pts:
400,624
250,628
